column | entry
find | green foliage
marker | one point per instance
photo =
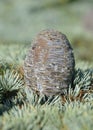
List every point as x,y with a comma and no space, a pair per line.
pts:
11,88
10,83
47,117
82,88
83,78
21,109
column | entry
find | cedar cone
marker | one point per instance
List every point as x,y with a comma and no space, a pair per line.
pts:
49,64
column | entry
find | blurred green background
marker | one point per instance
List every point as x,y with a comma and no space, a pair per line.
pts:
21,20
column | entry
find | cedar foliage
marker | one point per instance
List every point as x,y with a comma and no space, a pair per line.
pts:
21,109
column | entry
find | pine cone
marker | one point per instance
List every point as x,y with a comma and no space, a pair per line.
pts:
49,64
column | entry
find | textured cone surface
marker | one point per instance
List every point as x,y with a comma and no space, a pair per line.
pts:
49,65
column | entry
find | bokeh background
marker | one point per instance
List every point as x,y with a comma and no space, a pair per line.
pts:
21,20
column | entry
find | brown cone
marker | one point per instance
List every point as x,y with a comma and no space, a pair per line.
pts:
49,64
